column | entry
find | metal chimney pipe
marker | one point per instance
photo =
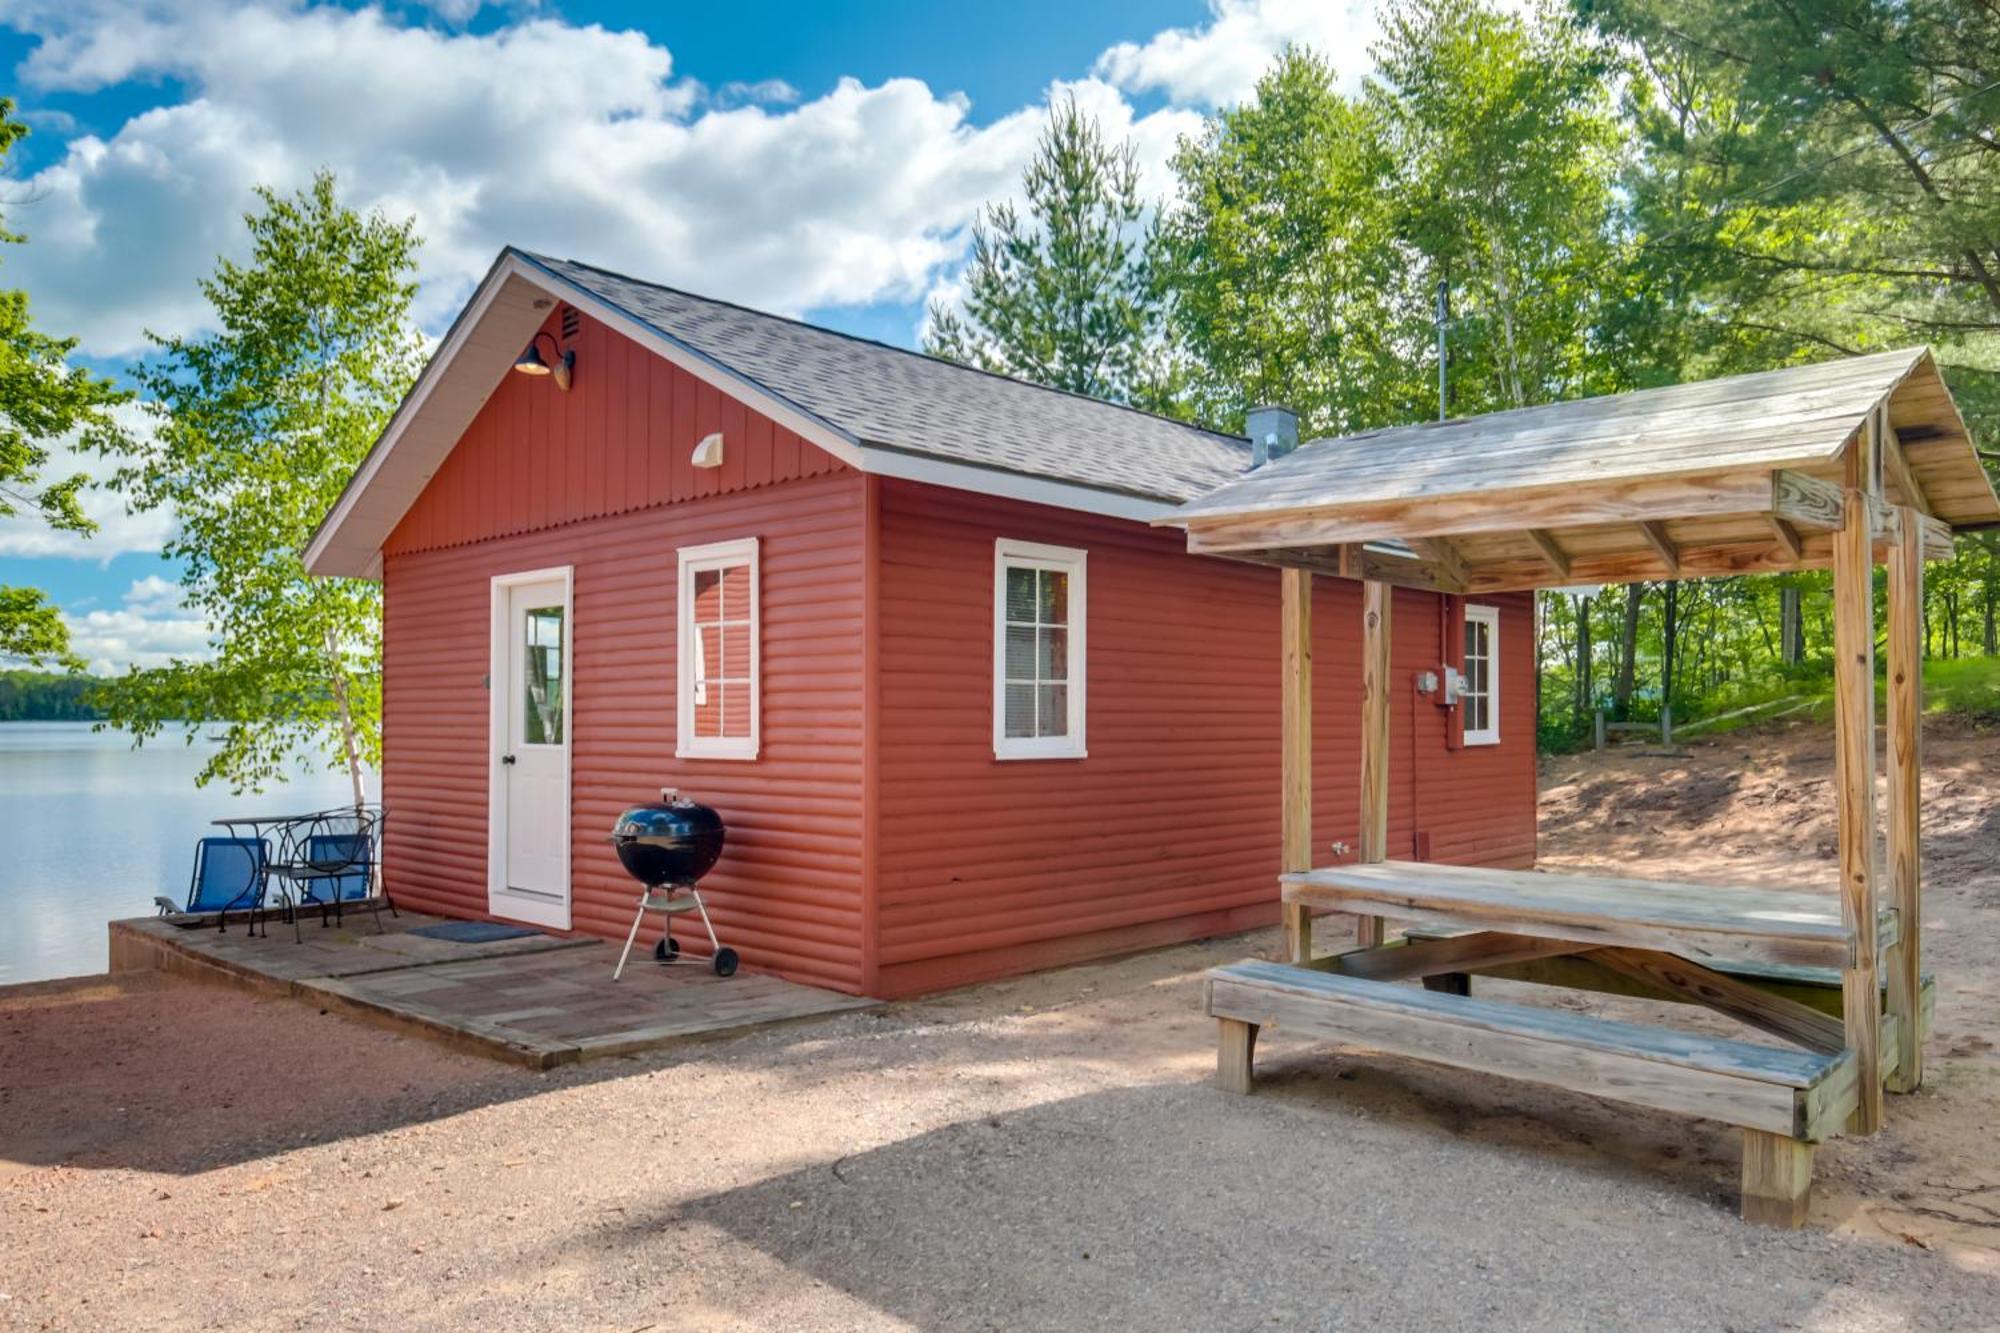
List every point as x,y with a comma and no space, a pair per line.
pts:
1274,432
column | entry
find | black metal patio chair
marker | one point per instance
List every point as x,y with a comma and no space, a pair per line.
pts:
330,860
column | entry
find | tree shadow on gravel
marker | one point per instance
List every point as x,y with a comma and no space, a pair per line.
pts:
149,1073
1338,1195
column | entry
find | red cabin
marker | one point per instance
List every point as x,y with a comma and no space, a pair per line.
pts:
905,624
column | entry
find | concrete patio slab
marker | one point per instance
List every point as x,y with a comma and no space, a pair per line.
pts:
535,1000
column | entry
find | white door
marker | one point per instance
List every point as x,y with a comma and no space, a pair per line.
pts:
528,879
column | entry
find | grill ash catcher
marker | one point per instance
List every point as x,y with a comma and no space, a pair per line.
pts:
668,847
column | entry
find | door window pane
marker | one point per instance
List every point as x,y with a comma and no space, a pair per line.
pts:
542,650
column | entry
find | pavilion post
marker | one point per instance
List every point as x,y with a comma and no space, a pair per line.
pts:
1297,810
1375,631
1854,779
1906,701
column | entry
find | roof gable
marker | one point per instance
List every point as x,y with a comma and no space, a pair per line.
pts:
877,408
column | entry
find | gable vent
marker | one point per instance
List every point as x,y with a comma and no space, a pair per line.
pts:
571,321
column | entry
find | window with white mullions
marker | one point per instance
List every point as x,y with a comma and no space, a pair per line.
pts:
1038,651
718,704
1480,694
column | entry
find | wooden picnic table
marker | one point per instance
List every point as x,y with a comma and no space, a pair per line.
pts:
1697,921
1773,959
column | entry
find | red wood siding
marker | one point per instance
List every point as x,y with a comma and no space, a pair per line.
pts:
788,893
876,845
1169,829
619,440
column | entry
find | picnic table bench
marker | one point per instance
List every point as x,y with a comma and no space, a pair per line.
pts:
1738,950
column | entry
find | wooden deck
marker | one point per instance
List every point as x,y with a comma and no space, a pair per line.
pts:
535,1000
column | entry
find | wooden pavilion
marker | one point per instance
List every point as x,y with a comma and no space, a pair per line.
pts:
1834,465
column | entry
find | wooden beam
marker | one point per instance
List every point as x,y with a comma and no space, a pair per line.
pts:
1896,469
1806,502
1788,537
1938,543
1377,600
1663,546
1746,491
1399,570
1453,953
1906,705
1739,999
1551,550
1854,782
1296,817
1440,552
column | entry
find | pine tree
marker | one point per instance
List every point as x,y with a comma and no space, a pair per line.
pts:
1060,296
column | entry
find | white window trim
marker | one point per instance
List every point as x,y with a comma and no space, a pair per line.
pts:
1488,616
1073,562
694,560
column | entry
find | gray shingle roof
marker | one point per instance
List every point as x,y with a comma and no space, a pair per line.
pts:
890,398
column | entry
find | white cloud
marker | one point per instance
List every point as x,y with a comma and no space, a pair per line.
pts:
150,629
574,140
570,139
1218,63
118,533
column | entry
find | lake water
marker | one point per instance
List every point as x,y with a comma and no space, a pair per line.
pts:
91,829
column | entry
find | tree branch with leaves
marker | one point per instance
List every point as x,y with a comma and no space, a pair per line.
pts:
260,425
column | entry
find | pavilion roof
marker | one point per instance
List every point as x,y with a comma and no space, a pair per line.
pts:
1734,475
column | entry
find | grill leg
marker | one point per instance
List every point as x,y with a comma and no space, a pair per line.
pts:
630,935
714,944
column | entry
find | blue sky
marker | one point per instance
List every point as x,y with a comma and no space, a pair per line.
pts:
821,160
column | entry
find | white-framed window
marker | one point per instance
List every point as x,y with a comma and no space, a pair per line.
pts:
1480,694
716,714
1038,651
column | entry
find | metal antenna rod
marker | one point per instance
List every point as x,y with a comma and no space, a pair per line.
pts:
1443,318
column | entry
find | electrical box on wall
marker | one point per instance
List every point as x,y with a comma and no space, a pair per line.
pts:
1454,685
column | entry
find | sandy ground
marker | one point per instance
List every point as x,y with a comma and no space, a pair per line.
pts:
1044,1153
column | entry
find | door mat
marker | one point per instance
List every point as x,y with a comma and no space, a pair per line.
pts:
474,932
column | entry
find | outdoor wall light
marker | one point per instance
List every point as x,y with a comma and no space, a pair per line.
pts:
531,363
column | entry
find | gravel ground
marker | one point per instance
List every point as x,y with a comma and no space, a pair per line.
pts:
1034,1154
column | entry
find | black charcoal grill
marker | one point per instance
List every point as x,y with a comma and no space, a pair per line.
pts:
668,846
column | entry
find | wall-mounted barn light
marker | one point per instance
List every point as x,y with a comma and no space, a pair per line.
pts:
709,452
531,363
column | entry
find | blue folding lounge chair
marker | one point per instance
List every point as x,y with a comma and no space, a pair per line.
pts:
228,877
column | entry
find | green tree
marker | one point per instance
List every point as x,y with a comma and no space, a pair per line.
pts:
1308,234
1060,296
1278,253
261,424
42,399
1507,152
1828,173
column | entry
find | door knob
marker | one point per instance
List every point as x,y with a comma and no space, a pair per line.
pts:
506,758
